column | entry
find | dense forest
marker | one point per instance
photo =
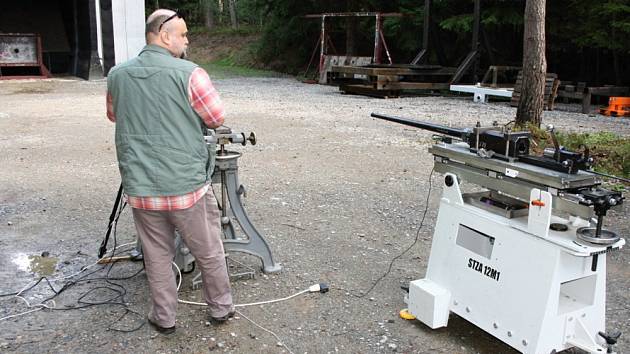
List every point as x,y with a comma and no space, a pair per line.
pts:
586,40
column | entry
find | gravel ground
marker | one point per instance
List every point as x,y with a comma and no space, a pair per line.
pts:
337,195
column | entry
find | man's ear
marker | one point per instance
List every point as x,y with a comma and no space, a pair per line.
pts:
165,37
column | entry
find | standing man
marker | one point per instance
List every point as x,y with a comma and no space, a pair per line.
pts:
160,104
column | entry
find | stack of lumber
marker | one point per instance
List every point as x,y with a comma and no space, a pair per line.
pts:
380,80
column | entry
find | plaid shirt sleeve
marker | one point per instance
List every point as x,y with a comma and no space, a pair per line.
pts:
110,108
204,98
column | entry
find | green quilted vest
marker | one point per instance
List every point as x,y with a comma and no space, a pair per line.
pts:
159,137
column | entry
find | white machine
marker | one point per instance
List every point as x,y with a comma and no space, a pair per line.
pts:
524,260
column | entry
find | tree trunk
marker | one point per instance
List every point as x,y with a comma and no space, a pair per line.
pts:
233,19
531,103
221,10
208,14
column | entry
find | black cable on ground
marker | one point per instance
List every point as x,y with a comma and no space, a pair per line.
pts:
389,268
119,291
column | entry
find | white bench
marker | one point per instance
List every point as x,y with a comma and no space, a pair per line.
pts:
480,92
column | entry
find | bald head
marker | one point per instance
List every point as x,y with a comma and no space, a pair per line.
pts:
156,19
167,29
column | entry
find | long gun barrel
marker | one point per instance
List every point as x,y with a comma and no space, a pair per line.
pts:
501,142
463,134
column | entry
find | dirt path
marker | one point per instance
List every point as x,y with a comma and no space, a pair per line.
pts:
336,193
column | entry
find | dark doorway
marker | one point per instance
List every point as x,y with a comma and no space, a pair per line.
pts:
67,29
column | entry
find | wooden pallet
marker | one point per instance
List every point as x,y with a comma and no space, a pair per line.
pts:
368,90
390,80
571,91
551,90
391,89
606,91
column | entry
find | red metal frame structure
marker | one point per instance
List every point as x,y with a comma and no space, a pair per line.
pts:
10,54
379,38
382,80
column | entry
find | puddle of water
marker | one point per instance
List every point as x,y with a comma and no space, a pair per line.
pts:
42,266
33,89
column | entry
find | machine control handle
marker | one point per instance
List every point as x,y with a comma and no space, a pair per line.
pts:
538,203
611,338
230,138
251,139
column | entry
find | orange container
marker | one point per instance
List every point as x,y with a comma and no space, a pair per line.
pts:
617,107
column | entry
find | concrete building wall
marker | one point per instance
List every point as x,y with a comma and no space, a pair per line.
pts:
129,22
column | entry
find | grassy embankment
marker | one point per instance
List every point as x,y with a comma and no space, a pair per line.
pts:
227,53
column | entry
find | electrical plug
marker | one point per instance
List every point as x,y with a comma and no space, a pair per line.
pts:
321,287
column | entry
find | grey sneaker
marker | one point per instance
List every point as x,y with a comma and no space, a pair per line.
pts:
163,330
222,319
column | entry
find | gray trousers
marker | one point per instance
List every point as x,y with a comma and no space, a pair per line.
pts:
200,229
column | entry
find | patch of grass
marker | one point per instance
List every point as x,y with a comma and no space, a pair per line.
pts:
226,53
31,89
225,69
610,151
242,30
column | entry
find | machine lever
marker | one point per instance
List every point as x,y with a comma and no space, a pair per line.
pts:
611,339
556,145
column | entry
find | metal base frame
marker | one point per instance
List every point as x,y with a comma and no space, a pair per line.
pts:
251,242
248,240
529,286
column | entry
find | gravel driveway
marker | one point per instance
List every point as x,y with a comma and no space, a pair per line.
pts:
336,193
